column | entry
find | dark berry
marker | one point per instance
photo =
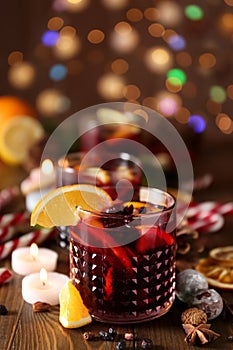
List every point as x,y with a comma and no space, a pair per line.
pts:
89,336
230,338
121,345
104,335
146,343
3,310
112,331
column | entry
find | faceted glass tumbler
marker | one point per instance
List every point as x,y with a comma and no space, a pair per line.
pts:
124,265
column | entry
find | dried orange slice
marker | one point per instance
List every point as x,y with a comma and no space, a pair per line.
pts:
217,274
222,255
59,207
73,312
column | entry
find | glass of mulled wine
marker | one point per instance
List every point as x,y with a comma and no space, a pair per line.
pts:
123,259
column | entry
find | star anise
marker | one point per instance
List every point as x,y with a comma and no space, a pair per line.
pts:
199,335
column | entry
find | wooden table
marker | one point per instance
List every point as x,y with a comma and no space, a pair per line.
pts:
23,329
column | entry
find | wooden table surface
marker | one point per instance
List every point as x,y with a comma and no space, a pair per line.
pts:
22,329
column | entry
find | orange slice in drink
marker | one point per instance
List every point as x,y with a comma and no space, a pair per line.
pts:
60,206
73,312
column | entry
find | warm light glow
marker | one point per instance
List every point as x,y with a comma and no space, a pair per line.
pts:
170,13
15,57
110,86
52,102
76,5
47,167
21,75
124,38
134,15
34,250
67,46
131,92
167,103
115,4
95,36
226,23
151,13
43,276
224,123
119,66
156,30
182,115
55,23
158,59
230,91
207,60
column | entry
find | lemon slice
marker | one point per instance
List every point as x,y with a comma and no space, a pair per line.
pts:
17,136
59,207
73,312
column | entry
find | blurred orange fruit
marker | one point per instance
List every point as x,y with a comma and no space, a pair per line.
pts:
19,129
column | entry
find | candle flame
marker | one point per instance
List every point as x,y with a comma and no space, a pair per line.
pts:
47,167
34,250
43,276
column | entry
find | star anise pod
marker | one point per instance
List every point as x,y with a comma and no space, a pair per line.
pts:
199,335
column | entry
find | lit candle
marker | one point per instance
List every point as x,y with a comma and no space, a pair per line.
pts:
43,286
26,260
40,181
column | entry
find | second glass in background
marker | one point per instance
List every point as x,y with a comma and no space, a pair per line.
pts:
116,173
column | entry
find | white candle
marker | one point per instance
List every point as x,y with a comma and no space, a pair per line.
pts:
25,261
32,198
39,182
39,178
44,287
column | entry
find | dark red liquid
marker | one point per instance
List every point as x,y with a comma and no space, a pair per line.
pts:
130,282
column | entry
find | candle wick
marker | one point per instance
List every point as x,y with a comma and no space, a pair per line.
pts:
43,283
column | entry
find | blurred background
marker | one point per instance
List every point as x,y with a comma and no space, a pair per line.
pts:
176,57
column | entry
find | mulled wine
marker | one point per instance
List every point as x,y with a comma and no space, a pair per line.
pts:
123,260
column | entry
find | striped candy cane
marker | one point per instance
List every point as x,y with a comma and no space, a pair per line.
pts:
14,219
208,216
27,239
7,195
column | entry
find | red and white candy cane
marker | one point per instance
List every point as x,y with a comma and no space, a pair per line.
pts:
27,239
14,219
7,195
208,216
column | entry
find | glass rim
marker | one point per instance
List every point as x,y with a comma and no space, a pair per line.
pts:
149,214
79,155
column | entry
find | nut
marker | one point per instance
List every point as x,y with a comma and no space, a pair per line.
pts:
40,307
193,316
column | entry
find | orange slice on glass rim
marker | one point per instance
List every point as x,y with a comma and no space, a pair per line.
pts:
60,206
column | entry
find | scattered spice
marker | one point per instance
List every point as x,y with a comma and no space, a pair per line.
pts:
129,336
199,335
41,307
3,310
194,316
89,336
146,343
